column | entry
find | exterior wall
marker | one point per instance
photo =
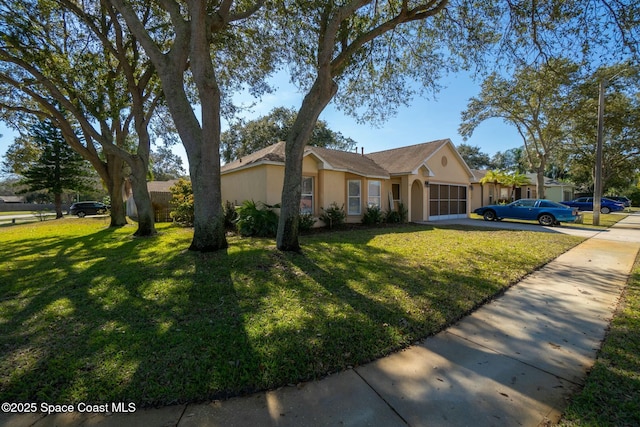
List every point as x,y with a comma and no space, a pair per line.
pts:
478,196
446,168
559,193
385,188
262,183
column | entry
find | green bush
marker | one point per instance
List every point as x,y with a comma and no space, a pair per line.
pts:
392,217
230,215
181,202
397,217
306,222
372,216
334,215
256,219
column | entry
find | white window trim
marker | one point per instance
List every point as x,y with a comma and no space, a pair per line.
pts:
308,194
379,196
349,197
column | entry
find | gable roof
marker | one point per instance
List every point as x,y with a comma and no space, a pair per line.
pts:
345,161
161,186
271,154
348,161
407,160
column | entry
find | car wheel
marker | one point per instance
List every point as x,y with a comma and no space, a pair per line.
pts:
489,216
605,210
546,220
81,214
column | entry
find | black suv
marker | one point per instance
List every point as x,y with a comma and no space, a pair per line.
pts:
88,208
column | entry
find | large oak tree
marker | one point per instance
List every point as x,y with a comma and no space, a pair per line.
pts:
73,64
216,47
534,101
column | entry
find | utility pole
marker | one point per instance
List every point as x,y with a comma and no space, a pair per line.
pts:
597,182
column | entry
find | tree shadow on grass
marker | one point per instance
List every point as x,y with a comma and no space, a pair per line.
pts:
94,318
104,317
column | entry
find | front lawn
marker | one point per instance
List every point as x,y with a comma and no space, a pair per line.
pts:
91,314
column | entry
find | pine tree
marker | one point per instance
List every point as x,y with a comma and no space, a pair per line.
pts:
58,168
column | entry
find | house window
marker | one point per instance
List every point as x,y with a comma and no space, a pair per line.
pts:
306,199
375,192
354,196
395,191
395,195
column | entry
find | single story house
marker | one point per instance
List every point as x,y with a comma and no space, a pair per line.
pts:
490,193
431,180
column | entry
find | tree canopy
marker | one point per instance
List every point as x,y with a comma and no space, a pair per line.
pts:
246,137
534,101
473,157
621,136
165,165
56,167
74,64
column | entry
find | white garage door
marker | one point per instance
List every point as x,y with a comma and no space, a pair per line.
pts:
447,201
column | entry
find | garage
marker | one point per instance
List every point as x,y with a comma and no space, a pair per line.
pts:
447,201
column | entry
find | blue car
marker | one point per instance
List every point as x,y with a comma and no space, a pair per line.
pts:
586,204
544,211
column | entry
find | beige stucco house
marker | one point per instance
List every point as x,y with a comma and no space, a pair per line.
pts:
430,179
487,194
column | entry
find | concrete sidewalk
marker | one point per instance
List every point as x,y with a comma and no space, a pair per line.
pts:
515,361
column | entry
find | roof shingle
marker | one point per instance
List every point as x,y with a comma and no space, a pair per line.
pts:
406,160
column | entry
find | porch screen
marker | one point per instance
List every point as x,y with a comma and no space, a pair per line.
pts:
445,199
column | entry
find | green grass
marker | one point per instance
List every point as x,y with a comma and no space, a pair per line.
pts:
611,395
89,313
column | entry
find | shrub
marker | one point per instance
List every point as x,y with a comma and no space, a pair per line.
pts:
398,217
230,215
333,216
182,202
306,222
256,220
372,216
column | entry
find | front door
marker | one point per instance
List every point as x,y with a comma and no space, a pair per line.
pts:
417,197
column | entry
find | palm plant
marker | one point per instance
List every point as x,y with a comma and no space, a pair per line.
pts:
515,180
494,177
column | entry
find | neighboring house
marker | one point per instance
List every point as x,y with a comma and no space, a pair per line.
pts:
11,199
430,179
490,193
160,197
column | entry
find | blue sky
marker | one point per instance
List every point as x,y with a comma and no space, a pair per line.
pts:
424,120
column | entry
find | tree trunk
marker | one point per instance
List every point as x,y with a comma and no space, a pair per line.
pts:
142,198
316,100
209,233
115,185
540,183
540,177
57,200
